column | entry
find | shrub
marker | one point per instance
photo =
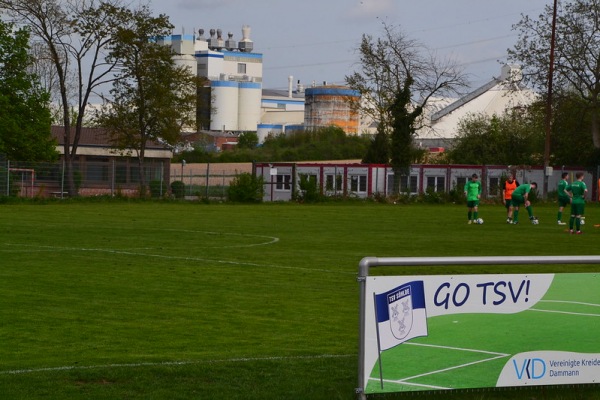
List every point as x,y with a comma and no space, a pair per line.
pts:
178,189
309,191
156,190
246,188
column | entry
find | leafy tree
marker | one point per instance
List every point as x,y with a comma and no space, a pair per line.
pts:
577,54
152,99
379,148
398,77
329,143
246,188
248,140
571,141
514,138
25,118
75,35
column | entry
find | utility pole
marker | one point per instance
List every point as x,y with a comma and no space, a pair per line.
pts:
547,172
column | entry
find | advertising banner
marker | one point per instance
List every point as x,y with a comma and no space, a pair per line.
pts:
476,331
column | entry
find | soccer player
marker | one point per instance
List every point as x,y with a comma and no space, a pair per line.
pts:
576,191
521,197
563,197
510,184
473,193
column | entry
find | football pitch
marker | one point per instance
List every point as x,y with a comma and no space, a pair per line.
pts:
144,300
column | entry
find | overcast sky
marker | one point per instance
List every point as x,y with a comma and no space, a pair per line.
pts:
315,40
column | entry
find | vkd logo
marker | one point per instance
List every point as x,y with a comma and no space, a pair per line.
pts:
531,368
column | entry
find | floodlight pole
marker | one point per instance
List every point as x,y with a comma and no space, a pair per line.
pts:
549,104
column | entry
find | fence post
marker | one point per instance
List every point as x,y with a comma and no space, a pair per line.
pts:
8,178
112,180
207,176
162,172
62,179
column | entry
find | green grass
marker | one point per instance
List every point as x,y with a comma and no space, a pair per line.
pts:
194,301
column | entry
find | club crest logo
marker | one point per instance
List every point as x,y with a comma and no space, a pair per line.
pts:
401,313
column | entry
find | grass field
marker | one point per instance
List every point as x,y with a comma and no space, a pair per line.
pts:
134,300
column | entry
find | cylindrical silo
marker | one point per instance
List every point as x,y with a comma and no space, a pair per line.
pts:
331,106
224,115
264,130
187,60
250,94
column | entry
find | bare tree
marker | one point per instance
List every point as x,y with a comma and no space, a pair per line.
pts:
76,36
398,76
576,53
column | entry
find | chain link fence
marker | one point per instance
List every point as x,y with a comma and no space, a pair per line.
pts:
91,178
202,180
118,177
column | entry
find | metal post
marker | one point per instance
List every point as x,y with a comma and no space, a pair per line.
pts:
8,178
62,180
207,177
162,172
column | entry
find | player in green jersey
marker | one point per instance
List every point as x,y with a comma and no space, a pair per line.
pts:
473,193
563,197
521,197
577,191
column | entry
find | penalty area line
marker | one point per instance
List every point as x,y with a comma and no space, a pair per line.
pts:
172,363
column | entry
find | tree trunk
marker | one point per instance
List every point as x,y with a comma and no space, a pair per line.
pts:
595,129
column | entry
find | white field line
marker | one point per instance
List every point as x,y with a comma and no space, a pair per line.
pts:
570,302
459,349
432,387
567,312
454,367
194,259
271,239
171,363
564,312
403,381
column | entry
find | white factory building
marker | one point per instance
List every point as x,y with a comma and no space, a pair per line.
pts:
234,72
239,103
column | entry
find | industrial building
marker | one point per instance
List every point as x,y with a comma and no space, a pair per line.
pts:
239,103
442,115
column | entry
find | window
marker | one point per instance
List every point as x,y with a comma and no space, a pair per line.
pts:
404,186
436,183
96,170
241,68
494,186
460,183
283,182
121,173
333,183
358,183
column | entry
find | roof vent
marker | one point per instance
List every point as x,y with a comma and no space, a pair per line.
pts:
246,45
230,44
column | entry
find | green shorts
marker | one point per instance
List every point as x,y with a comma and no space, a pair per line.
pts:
577,208
472,203
517,200
508,203
563,201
